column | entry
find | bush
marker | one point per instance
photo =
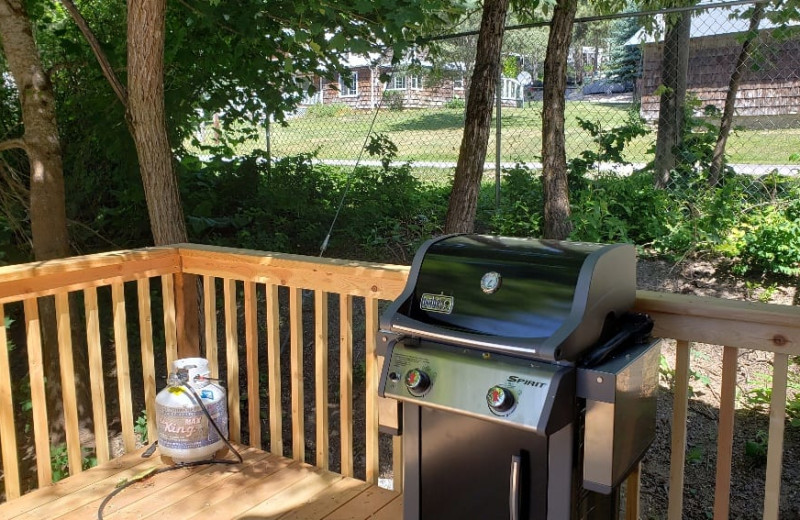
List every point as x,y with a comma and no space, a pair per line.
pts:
394,100
329,110
521,203
456,103
772,244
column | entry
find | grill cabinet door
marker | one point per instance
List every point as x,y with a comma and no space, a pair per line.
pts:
465,468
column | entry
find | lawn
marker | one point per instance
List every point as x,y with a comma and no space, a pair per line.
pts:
434,135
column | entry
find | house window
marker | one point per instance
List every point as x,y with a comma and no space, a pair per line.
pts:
415,82
397,82
348,87
458,83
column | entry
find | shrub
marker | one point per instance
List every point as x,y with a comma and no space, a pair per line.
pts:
772,244
456,103
394,100
329,110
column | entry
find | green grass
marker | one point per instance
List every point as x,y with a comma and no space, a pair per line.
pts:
435,134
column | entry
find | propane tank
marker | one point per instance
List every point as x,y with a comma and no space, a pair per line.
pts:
184,431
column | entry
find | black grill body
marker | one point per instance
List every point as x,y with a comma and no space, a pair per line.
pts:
496,349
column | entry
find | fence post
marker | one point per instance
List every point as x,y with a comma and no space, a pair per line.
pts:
498,139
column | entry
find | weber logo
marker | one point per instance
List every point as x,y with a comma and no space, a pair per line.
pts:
526,382
436,303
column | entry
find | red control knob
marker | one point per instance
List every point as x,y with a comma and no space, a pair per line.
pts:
417,382
499,399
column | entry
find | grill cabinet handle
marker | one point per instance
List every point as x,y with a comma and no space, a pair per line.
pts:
513,492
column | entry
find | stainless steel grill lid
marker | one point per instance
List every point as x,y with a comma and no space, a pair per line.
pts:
536,299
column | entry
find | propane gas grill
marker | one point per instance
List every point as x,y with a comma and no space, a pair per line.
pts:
527,387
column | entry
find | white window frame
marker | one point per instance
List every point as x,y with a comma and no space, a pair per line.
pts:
458,83
414,82
346,90
396,82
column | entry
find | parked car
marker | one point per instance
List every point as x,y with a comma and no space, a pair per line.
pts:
608,86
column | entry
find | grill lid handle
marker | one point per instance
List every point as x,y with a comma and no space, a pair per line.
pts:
531,348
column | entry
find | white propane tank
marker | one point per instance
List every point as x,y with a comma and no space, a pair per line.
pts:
184,432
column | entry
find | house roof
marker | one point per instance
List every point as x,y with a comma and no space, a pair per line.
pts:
708,22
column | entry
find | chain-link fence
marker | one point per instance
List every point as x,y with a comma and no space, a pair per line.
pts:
623,70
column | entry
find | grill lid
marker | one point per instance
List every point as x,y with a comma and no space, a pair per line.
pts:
536,299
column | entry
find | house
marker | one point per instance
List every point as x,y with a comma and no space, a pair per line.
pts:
770,84
407,87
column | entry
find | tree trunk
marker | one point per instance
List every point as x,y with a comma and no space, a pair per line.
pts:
47,205
463,202
554,160
718,158
146,28
674,71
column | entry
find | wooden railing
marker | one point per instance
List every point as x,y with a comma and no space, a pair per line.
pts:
263,294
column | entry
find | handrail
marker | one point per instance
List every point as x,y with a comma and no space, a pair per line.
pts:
251,287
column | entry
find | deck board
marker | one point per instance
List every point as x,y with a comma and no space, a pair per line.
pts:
265,486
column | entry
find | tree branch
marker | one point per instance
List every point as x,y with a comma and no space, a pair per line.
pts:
117,86
11,144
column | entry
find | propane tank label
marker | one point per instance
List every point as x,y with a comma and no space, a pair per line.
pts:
187,428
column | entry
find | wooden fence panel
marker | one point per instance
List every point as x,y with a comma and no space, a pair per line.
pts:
102,449
346,381
680,410
8,433
321,380
123,366
210,313
777,418
251,344
170,319
274,370
41,434
373,464
232,359
68,392
727,410
148,357
296,371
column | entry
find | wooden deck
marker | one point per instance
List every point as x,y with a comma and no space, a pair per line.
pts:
265,486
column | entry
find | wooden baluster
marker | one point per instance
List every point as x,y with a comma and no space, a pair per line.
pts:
148,356
373,464
38,396
210,312
680,409
251,343
68,393
102,450
777,418
296,355
8,433
274,370
170,319
321,383
632,490
232,357
346,381
123,365
397,463
727,410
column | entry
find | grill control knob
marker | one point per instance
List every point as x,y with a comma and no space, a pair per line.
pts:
499,399
417,382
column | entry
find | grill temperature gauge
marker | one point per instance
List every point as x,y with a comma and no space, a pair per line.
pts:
499,399
417,382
